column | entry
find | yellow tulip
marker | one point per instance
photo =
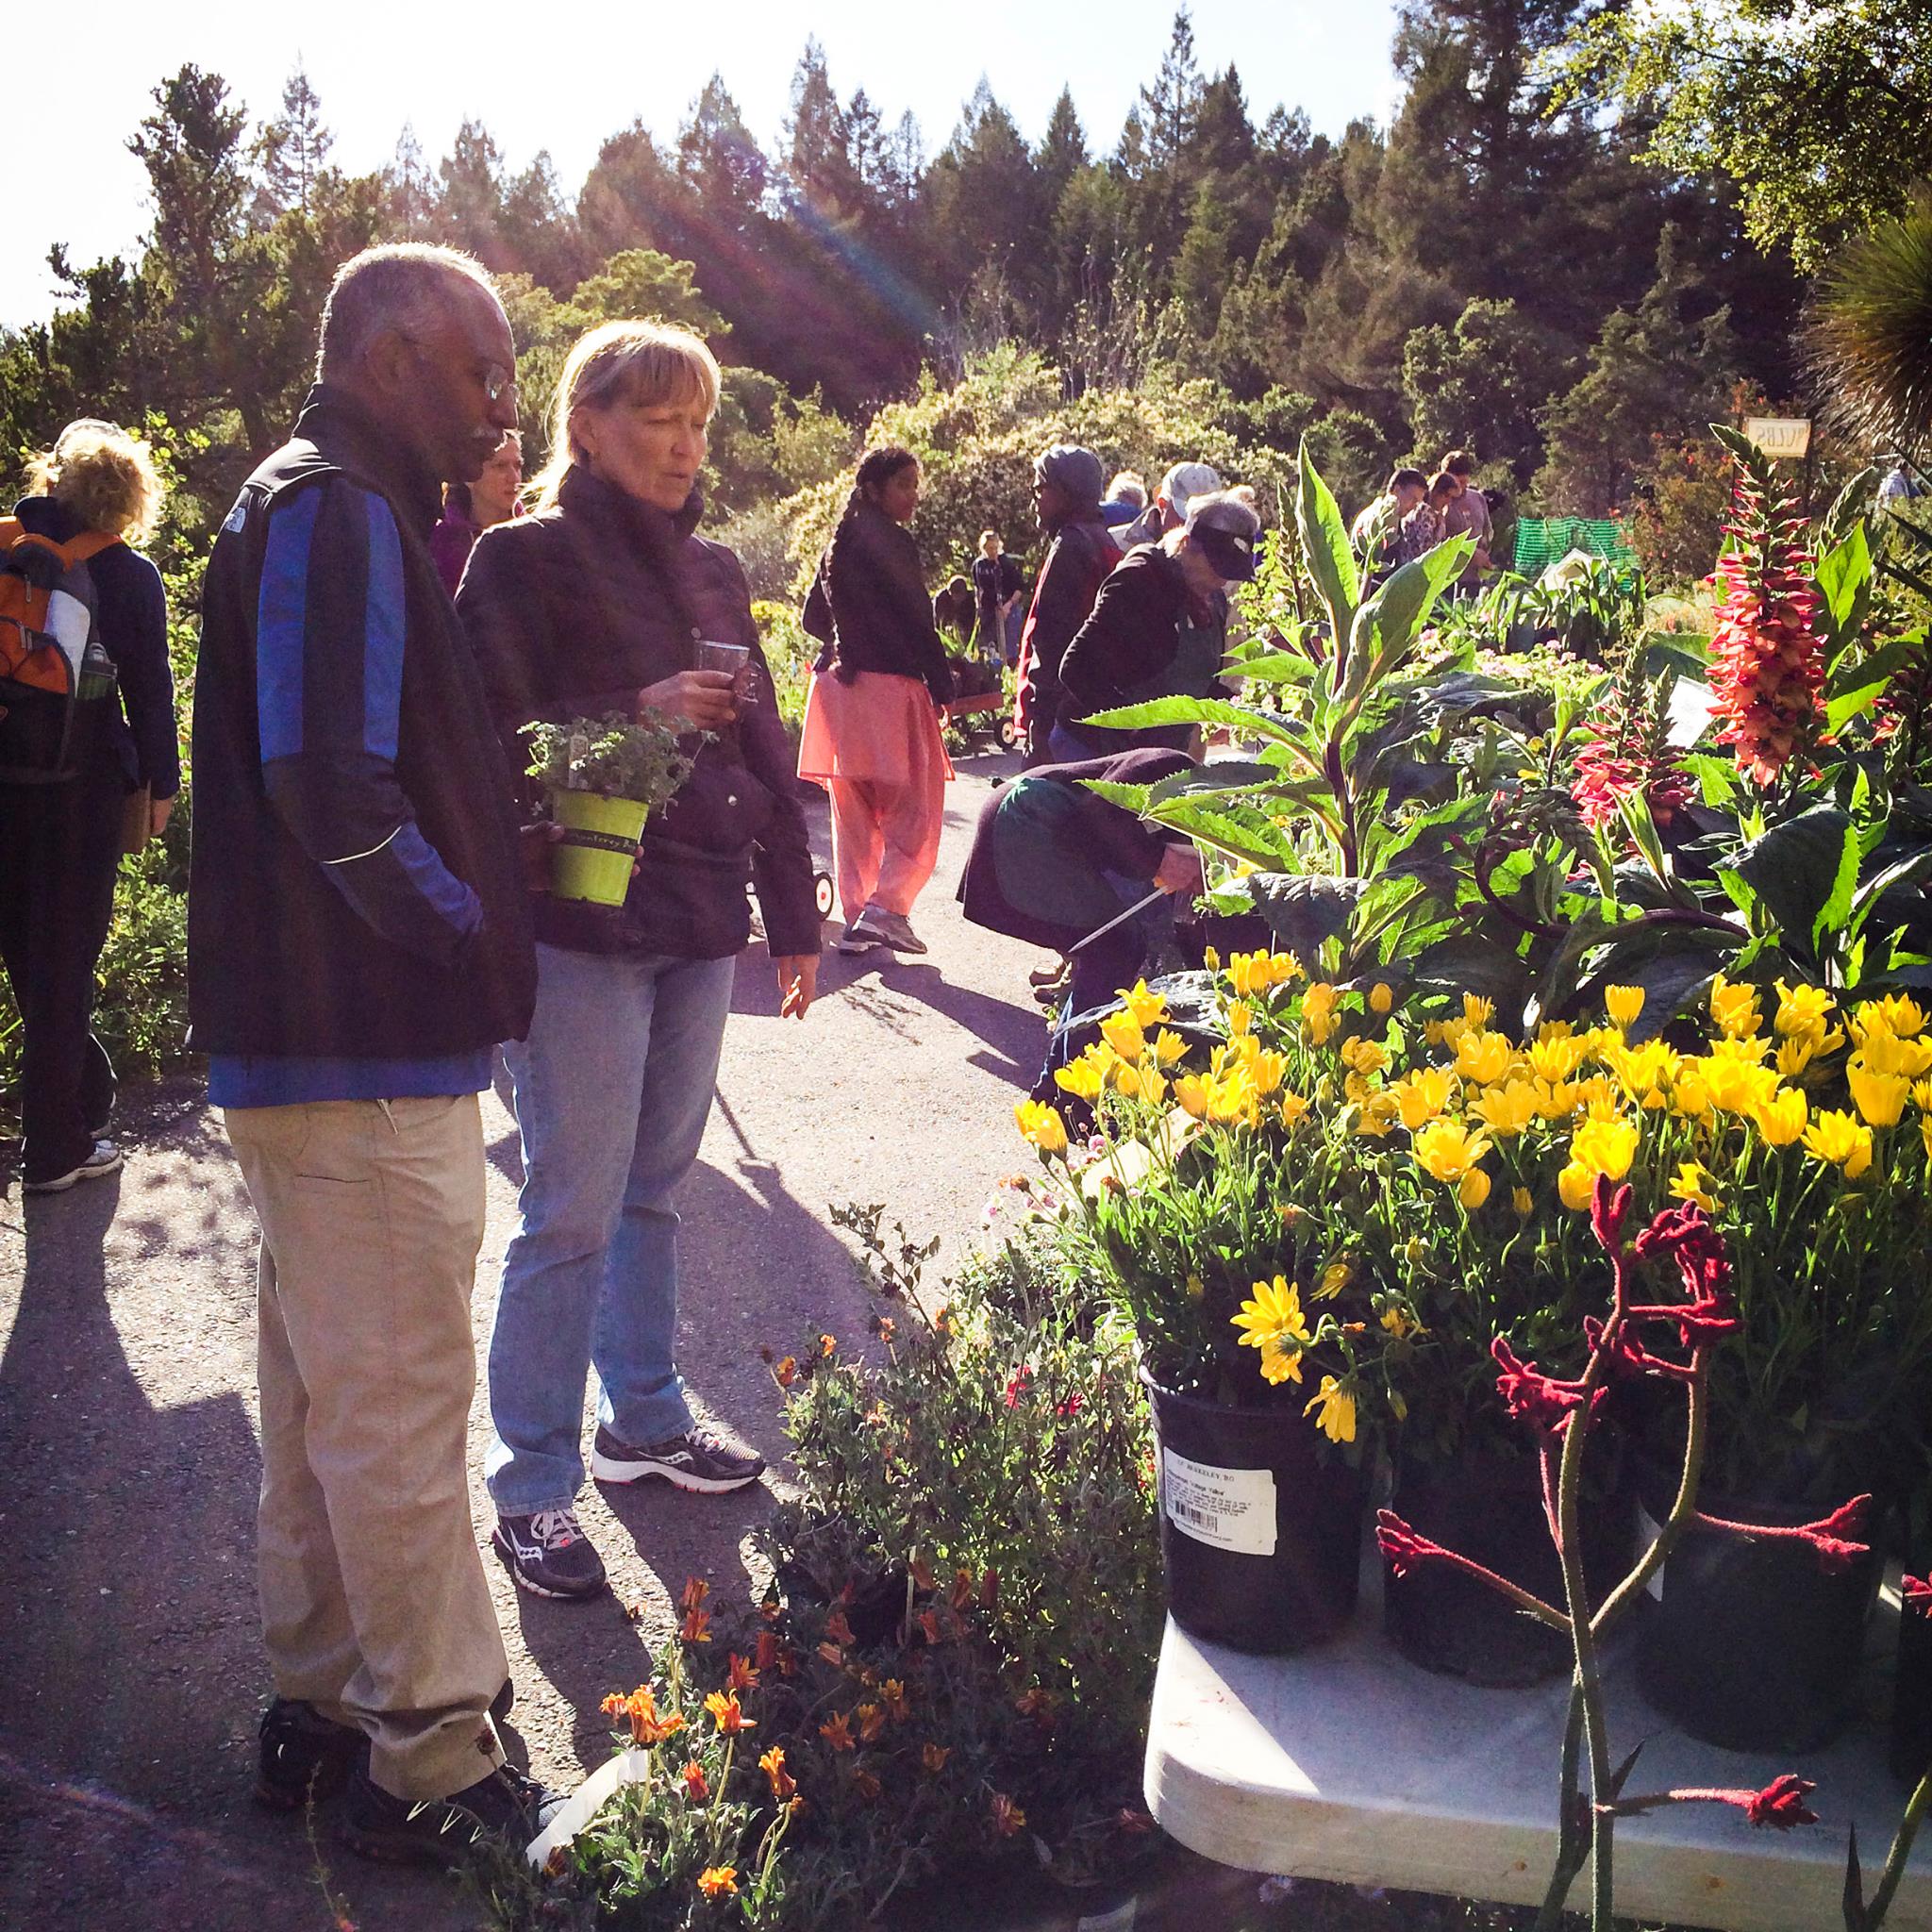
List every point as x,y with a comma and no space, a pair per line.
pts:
1841,1140
1598,1147
1557,1057
1883,1052
1623,1004
1801,1010
1694,1184
1506,1111
1880,1098
1042,1125
1083,1080
1191,1090
1734,1008
1899,1013
1781,1118
1422,1094
1266,1071
1575,1184
1121,1032
1484,1058
1644,1072
1240,1016
1448,1150
1473,1190
1337,1418
1735,1085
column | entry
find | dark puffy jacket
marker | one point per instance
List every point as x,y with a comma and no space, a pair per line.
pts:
1147,637
574,612
347,898
868,603
1078,562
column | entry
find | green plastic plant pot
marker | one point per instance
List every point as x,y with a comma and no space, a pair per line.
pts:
592,860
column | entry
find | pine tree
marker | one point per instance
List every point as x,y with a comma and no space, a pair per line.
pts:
1172,105
409,188
291,150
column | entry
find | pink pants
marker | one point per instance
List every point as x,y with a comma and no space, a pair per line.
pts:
874,745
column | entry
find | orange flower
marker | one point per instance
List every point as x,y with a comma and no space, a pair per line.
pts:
640,1709
719,1881
832,1654
828,1345
696,1627
694,1593
836,1732
695,1788
865,1785
892,1695
872,1721
962,1590
767,1652
930,1624
1037,1703
773,1765
922,1573
786,1372
1008,1817
934,1756
740,1676
838,1630
729,1719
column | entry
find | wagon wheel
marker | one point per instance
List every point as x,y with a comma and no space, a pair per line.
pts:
1006,734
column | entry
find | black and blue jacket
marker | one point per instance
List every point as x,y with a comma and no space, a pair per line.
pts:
355,893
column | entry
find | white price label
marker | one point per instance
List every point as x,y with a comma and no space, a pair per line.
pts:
1225,1509
1648,1530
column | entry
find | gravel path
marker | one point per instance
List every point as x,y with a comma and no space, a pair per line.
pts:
130,1675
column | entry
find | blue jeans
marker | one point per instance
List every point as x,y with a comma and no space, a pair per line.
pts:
613,1087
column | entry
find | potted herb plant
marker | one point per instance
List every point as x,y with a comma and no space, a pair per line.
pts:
604,777
1267,1359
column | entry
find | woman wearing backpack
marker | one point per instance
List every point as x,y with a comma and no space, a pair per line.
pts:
64,826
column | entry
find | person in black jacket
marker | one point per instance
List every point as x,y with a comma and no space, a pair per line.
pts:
1054,863
61,844
597,603
1159,629
872,719
358,941
1080,552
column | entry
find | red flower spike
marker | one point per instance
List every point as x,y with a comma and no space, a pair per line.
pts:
1402,1549
1915,1593
1609,1204
1781,1802
1545,1402
1835,1551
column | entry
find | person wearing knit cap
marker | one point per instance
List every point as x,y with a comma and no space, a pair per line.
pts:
1159,628
1066,494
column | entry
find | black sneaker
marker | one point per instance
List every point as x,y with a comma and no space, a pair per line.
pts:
304,1756
548,1553
695,1460
507,1806
103,1161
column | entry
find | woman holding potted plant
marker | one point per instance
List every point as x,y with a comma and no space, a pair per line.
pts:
598,612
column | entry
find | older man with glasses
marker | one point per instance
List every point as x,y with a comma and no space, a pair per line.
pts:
358,942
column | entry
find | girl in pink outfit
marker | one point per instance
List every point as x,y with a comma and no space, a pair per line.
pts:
871,719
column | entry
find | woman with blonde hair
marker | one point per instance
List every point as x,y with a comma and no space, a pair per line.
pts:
95,494
604,599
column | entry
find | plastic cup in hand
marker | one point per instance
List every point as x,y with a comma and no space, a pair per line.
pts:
734,660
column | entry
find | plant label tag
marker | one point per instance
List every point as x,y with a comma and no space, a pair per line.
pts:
1647,1533
1225,1509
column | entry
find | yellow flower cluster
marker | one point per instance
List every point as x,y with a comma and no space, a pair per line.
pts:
1124,1059
1271,1320
1250,974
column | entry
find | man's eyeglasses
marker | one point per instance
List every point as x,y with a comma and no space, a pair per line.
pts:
496,380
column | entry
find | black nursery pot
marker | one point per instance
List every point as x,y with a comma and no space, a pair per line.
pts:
1750,1644
1261,1536
1490,1508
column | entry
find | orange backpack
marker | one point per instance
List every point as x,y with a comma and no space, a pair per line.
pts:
51,659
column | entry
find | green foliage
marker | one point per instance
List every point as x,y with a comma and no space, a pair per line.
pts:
1873,332
616,757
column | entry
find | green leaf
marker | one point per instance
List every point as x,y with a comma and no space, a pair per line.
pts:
1844,576
1675,971
1386,627
1239,718
1800,868
1902,872
1856,682
1471,963
1272,667
1229,775
1325,542
1303,911
1131,798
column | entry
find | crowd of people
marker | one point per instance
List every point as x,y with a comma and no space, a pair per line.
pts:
387,608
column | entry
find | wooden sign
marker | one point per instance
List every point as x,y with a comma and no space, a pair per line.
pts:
1780,436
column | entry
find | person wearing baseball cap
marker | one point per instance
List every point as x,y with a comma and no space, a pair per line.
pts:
1159,628
1182,484
1067,482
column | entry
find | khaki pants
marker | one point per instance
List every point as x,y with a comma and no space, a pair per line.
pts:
372,1599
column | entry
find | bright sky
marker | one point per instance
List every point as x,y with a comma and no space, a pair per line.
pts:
565,78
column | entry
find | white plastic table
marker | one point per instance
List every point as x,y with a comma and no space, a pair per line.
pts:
1350,1763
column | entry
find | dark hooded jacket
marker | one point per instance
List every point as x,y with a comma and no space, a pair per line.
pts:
572,612
868,603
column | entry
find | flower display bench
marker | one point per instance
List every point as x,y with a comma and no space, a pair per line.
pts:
1349,1763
